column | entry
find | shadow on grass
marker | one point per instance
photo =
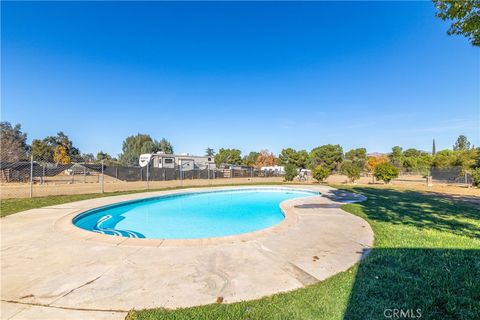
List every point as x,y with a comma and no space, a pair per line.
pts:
343,196
434,283
431,283
420,210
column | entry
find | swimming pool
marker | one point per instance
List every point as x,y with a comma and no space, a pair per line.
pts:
192,215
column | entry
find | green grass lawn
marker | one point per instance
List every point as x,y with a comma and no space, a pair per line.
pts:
426,256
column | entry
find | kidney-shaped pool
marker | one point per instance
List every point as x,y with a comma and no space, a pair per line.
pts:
192,215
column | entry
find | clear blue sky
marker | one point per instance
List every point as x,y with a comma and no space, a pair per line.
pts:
240,75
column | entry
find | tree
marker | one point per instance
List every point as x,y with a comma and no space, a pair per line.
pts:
465,16
61,139
434,149
416,160
320,173
396,157
228,156
107,159
60,155
88,157
134,146
165,146
357,156
329,156
415,153
351,170
466,159
209,152
103,156
290,172
374,161
42,151
13,142
265,159
444,159
461,144
287,156
302,159
250,159
297,158
476,177
386,172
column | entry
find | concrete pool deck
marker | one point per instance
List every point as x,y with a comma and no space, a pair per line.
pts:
50,271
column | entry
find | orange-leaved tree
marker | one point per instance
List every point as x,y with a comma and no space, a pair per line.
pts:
265,159
373,161
60,155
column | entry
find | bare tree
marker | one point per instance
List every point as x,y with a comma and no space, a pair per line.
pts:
13,145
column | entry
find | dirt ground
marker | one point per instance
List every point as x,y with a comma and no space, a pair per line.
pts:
460,192
61,187
67,185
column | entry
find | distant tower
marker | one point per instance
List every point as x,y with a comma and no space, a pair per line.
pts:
433,148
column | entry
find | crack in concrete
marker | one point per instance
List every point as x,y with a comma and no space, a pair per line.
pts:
63,308
292,269
95,279
80,286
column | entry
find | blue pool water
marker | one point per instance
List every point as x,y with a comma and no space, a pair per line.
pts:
192,215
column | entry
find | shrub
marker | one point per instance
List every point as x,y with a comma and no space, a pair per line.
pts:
320,173
476,177
351,170
290,172
386,172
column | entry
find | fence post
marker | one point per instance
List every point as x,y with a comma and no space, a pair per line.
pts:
148,178
102,180
31,176
429,181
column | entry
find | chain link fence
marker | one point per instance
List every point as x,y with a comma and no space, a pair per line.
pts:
42,178
37,178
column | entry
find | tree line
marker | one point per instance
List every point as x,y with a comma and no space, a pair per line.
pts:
327,159
60,149
323,160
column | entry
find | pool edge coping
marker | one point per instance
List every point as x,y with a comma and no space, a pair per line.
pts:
66,225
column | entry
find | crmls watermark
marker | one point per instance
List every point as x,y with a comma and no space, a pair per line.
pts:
402,313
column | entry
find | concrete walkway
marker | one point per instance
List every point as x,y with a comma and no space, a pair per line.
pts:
48,273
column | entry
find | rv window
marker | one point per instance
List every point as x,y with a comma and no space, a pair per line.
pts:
167,160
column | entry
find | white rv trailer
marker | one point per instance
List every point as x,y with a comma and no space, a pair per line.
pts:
184,161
